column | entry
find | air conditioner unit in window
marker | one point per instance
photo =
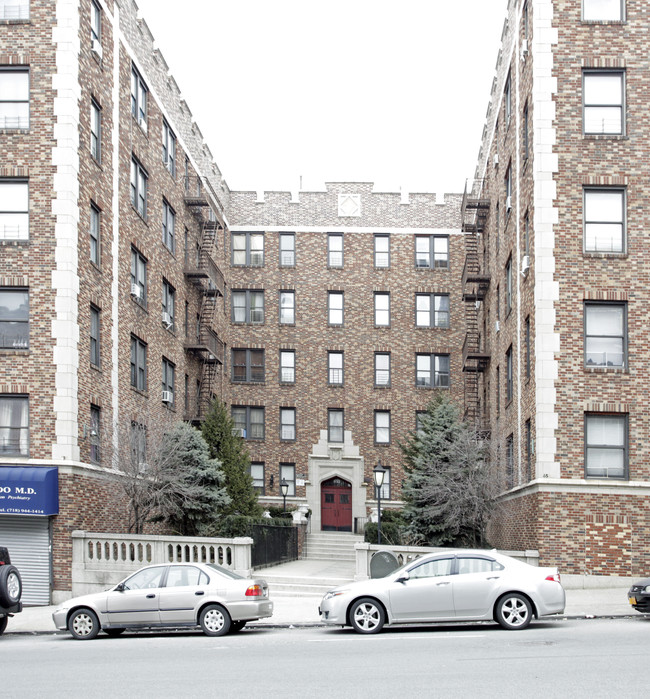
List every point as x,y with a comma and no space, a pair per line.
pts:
496,160
524,49
96,48
525,265
167,397
142,123
136,291
497,326
239,432
167,319
508,203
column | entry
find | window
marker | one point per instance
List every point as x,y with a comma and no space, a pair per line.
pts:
138,98
432,310
249,421
432,251
14,210
335,250
139,179
527,340
257,474
287,249
432,370
14,425
335,424
525,138
14,9
14,318
335,368
169,148
498,389
94,437
602,10
95,130
606,445
432,569
382,369
468,565
288,424
603,102
510,462
507,99
287,307
604,220
508,286
138,276
168,227
287,366
168,371
138,363
248,249
14,97
605,335
138,446
382,250
382,427
288,474
335,307
95,22
94,336
509,379
168,305
95,234
529,450
382,308
508,189
247,306
247,365
527,234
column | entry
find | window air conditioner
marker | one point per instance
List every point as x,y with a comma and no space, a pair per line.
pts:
167,319
239,432
167,397
96,48
497,326
142,123
508,203
496,160
525,265
136,291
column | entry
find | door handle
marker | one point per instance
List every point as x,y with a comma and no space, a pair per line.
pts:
151,595
199,592
494,577
440,584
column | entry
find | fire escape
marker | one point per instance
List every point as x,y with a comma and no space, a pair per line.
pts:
202,271
476,282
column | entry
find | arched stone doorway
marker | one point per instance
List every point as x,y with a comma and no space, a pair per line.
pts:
336,505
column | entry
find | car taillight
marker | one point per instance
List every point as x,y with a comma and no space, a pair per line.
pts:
553,578
255,591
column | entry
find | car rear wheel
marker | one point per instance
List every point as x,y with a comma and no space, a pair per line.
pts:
214,620
367,616
11,585
114,632
514,612
3,624
83,624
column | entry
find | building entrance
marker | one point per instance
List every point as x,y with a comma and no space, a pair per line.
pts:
336,505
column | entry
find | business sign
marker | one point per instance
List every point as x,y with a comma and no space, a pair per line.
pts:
29,490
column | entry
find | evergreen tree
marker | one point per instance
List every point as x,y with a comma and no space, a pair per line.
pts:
449,491
218,430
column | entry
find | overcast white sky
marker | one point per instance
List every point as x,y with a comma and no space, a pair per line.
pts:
389,91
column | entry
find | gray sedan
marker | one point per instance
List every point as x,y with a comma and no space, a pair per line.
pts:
457,585
174,595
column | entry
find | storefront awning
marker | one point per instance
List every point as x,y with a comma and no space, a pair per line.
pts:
29,490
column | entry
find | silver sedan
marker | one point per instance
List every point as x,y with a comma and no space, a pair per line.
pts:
457,585
178,594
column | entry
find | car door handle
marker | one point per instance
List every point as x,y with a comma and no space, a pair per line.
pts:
494,577
151,595
440,584
199,592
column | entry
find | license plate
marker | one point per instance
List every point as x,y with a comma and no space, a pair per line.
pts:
632,600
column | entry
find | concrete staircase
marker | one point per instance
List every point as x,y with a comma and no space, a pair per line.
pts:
335,546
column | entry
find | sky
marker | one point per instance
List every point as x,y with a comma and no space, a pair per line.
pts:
286,92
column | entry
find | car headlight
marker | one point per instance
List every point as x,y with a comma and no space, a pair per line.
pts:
334,593
646,589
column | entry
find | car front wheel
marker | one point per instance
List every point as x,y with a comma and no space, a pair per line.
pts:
214,620
367,616
514,612
83,624
11,586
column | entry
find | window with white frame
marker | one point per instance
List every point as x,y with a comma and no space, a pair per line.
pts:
431,251
14,97
248,365
605,334
138,363
249,421
168,373
604,220
14,318
287,307
287,249
382,250
257,474
138,276
382,426
335,368
335,425
288,474
14,425
529,449
95,130
14,209
507,100
248,306
95,219
335,250
287,366
508,285
510,461
335,308
168,226
509,375
169,148
139,93
139,180
432,370
138,438
248,249
432,310
382,308
94,335
94,438
168,305
287,424
95,22
603,101
382,369
606,445
602,10
14,9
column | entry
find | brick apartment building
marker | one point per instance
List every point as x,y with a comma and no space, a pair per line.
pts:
135,286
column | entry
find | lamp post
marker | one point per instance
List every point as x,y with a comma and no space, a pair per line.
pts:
378,474
284,489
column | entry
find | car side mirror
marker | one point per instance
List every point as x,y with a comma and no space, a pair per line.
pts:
119,587
403,577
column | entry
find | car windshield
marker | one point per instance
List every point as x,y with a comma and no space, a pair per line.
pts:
225,572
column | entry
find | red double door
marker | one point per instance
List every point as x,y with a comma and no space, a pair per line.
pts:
336,505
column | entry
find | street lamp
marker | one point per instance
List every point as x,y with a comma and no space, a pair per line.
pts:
284,489
378,474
